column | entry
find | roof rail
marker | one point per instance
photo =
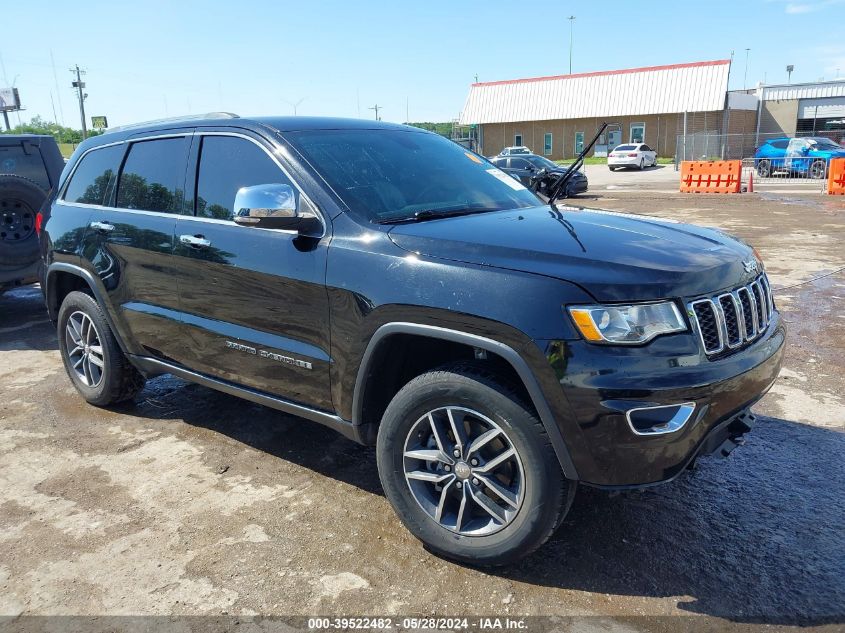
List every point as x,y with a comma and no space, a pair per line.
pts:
175,119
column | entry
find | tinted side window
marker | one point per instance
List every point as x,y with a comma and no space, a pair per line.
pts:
645,148
92,177
226,164
152,175
519,163
500,162
780,144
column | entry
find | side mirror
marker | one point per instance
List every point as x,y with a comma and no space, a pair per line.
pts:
273,207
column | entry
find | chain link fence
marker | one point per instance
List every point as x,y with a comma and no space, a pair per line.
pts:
772,158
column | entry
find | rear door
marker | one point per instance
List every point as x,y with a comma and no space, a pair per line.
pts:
253,301
129,241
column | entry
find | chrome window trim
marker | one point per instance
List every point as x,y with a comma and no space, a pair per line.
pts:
678,421
739,324
712,306
62,202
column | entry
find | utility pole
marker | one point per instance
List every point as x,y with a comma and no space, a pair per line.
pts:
376,107
745,78
571,19
79,85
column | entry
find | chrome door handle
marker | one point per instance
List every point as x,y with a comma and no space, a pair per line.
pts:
102,227
197,241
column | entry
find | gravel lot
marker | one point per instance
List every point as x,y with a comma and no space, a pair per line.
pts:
194,502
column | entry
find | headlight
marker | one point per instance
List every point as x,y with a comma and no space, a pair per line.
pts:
627,324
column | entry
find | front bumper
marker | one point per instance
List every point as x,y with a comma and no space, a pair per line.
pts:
602,384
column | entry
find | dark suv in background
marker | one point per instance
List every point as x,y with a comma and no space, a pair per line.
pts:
30,166
404,291
530,168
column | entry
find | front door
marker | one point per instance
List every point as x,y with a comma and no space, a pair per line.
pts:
130,241
614,136
253,301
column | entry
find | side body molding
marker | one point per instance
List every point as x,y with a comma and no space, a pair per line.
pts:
456,336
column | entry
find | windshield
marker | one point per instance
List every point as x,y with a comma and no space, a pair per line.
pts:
384,175
823,143
542,163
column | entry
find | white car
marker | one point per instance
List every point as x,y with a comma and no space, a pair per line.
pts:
637,155
512,151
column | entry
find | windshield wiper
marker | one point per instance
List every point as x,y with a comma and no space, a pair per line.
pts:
559,185
436,214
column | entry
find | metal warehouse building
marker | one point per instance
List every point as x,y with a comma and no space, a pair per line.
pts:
555,116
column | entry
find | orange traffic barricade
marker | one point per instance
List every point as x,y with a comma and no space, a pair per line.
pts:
718,176
836,177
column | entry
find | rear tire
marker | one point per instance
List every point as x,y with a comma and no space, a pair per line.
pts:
764,169
20,199
533,495
91,355
642,164
611,168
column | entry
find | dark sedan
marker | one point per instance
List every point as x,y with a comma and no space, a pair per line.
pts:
527,168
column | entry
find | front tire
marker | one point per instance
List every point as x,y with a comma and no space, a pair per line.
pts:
469,468
91,355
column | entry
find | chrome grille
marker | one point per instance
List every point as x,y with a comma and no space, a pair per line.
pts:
733,319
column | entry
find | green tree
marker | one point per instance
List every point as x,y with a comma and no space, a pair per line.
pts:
62,134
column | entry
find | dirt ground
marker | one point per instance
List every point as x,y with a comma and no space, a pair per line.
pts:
194,502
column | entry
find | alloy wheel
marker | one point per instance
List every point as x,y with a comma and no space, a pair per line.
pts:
464,471
84,349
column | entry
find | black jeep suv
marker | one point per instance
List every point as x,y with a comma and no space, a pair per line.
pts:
30,166
400,289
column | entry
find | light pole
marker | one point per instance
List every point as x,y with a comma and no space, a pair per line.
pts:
376,107
789,70
295,105
745,78
571,19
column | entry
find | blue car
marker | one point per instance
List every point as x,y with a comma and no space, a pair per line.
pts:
807,156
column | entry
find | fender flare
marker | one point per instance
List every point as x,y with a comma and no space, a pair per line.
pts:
456,336
89,279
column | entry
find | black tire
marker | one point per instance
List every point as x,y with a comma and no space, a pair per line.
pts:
547,495
119,380
818,169
611,168
764,169
20,200
642,164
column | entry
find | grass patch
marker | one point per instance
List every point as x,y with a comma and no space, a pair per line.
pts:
66,149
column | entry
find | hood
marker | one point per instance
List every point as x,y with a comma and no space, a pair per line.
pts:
614,256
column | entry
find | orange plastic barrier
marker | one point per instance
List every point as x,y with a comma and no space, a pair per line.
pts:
836,177
718,176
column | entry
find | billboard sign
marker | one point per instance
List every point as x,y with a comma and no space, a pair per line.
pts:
9,99
99,122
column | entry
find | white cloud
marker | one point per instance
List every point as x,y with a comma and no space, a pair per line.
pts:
795,8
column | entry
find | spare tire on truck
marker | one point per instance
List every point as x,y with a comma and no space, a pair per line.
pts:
20,200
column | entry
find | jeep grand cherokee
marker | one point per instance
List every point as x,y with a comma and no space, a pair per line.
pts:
400,289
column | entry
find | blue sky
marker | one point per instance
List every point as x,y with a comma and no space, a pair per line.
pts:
166,58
